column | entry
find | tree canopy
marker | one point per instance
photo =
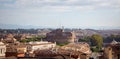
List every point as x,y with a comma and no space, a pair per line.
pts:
97,40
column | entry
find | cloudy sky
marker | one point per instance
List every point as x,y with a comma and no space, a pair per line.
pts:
56,13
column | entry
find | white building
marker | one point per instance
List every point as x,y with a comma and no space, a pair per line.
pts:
2,49
32,46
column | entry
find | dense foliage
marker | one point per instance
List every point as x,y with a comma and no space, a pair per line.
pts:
20,31
97,40
63,44
84,39
38,38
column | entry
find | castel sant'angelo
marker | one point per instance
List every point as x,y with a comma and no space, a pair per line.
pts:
60,36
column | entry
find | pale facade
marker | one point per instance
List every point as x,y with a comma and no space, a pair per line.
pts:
2,49
32,46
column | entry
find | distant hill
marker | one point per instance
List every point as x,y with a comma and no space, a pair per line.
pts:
79,32
15,26
103,33
10,26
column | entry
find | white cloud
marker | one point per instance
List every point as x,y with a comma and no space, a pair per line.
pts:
107,3
6,0
51,0
84,8
59,8
104,4
72,1
63,5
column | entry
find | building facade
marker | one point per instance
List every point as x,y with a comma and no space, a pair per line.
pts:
32,46
59,36
2,49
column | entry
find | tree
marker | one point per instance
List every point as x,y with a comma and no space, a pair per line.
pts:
84,39
97,40
24,40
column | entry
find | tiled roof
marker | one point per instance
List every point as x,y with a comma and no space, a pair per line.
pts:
45,53
81,47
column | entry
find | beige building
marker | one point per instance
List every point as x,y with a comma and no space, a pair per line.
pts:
59,36
16,50
2,49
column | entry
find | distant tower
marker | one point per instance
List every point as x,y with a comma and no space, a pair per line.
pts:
73,36
62,28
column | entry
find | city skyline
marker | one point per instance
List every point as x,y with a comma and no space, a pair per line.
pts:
56,13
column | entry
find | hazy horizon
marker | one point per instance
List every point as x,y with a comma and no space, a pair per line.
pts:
57,13
13,26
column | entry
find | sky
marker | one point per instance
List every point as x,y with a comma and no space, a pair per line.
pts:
56,13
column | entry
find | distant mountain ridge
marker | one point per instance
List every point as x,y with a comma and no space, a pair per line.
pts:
11,26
